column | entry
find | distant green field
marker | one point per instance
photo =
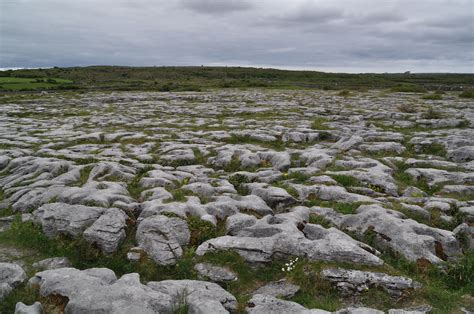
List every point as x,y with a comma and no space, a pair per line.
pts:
22,83
202,78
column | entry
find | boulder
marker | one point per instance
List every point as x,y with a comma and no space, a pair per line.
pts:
108,230
11,276
162,238
62,218
275,197
126,295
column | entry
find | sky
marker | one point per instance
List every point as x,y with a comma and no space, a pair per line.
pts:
331,36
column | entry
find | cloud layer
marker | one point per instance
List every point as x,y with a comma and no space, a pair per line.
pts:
337,35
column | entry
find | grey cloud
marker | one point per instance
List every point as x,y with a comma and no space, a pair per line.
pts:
349,35
216,6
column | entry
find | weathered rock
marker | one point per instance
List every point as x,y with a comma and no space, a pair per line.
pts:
275,197
462,154
437,176
287,235
465,233
11,276
351,282
163,237
61,218
200,295
215,273
358,310
108,230
347,143
35,308
126,295
52,263
393,230
329,193
69,282
266,304
281,288
414,192
383,147
97,290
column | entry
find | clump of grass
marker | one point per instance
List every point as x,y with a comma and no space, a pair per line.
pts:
83,176
408,88
432,113
346,208
233,165
343,208
199,157
277,145
314,291
298,177
346,180
443,287
319,123
433,96
179,195
344,93
407,108
134,188
24,293
319,220
291,190
249,278
468,93
238,182
201,230
434,148
181,306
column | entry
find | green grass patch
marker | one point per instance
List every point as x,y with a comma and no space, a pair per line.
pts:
433,148
238,181
344,93
320,124
345,180
134,188
249,278
277,145
343,208
433,96
432,113
407,88
21,83
468,93
319,220
297,177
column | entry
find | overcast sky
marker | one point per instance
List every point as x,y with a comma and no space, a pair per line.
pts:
330,35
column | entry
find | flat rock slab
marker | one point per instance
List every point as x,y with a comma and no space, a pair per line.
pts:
281,288
215,273
351,282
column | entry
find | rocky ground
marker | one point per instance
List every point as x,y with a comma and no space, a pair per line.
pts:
241,201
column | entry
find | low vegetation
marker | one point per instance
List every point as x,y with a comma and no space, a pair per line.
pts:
167,79
468,93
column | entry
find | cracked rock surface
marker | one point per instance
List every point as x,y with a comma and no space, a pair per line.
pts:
194,185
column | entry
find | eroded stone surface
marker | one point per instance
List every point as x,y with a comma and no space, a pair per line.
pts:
354,281
264,167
